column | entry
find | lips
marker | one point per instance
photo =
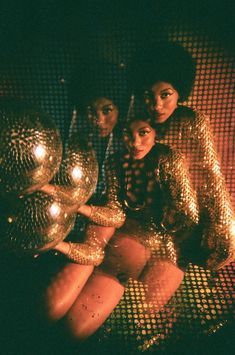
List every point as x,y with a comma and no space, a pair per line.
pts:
157,114
137,151
103,131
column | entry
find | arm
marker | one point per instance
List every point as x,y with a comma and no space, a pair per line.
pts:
112,214
181,206
105,219
215,204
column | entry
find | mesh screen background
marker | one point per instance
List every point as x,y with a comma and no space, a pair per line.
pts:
40,49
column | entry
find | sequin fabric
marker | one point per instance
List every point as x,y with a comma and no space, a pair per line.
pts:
170,173
85,254
179,207
190,132
112,214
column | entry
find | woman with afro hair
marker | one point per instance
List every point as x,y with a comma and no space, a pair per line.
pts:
161,77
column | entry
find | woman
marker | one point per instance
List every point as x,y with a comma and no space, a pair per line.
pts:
161,77
153,206
99,107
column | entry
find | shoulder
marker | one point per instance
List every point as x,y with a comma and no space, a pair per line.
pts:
194,121
166,158
165,151
169,158
190,114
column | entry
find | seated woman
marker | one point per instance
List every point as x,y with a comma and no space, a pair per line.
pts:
151,201
161,77
99,108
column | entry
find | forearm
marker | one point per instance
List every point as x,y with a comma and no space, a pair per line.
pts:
82,253
91,252
107,216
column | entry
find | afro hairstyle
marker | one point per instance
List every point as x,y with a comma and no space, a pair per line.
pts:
161,61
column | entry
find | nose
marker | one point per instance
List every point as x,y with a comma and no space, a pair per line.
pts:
100,118
157,104
136,141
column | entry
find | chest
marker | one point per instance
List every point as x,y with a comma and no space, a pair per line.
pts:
140,185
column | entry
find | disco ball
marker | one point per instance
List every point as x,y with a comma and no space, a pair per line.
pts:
77,176
34,222
30,148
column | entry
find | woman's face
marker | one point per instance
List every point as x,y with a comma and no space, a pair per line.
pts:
139,139
161,101
103,115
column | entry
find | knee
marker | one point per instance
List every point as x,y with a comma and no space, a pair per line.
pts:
161,281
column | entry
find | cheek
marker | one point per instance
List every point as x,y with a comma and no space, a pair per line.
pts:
172,105
111,121
149,143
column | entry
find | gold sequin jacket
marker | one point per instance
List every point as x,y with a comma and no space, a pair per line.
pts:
170,206
189,131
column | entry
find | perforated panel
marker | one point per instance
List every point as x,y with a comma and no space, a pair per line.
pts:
41,69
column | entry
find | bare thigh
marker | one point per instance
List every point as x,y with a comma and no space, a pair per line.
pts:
64,289
125,256
68,283
97,300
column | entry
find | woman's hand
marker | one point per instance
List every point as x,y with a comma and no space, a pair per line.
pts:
62,247
85,210
49,189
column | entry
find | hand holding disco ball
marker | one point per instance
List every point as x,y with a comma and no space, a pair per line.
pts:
34,220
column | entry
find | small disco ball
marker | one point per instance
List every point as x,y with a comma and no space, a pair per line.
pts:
30,147
77,176
34,222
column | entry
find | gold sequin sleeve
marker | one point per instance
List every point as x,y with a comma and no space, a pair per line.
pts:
112,214
215,204
85,254
88,253
181,210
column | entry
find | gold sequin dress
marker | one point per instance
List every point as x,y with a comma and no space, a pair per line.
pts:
154,198
189,131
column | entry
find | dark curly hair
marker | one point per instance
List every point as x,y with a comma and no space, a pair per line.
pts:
162,61
93,79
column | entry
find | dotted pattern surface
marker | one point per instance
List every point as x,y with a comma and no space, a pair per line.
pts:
204,304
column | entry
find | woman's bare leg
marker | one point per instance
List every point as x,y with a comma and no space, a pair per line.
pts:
125,257
95,303
68,283
162,279
64,289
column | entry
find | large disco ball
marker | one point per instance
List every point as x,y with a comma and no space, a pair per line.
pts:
77,176
30,147
34,222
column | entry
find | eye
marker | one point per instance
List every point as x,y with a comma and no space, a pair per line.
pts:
144,132
166,94
107,110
